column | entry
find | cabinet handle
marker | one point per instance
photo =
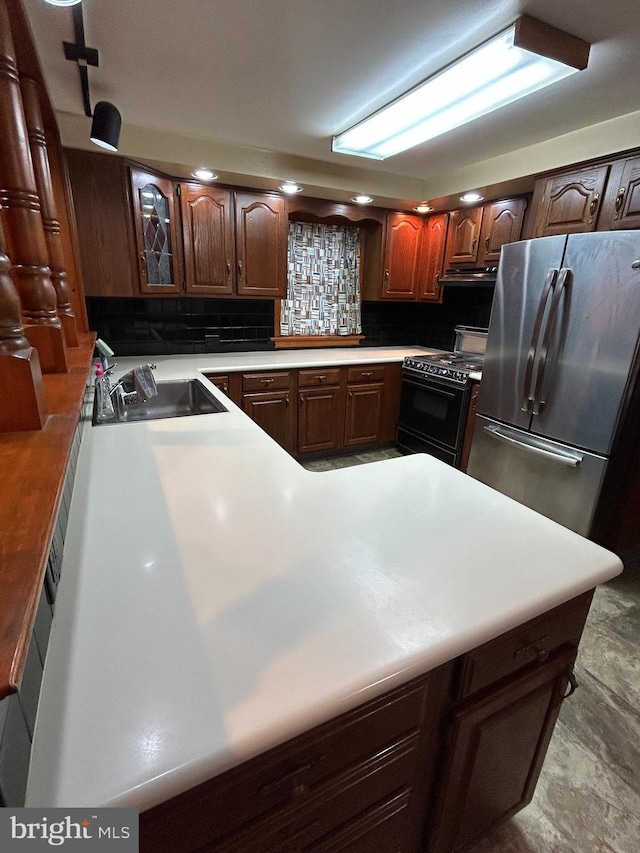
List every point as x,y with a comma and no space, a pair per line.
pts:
240,268
573,686
367,373
474,244
321,377
267,381
436,277
225,388
386,276
143,268
291,777
351,393
594,205
301,400
620,199
487,240
286,400
228,268
535,646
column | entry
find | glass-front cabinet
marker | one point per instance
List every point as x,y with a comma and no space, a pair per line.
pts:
155,229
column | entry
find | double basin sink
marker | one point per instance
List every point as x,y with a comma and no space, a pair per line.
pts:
176,398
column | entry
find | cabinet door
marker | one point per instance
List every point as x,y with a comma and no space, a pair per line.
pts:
274,413
320,419
501,223
401,254
155,224
463,236
621,207
496,747
364,414
434,236
570,202
261,245
209,251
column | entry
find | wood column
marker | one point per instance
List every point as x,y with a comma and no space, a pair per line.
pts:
22,401
50,222
22,219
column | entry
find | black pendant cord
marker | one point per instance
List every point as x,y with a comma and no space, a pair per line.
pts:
83,55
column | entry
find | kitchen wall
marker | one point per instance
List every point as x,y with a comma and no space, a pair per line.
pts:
184,325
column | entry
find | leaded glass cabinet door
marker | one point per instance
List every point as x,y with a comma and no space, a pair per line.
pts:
155,226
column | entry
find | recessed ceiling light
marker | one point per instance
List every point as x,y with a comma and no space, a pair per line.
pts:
63,2
423,208
471,197
362,199
204,175
290,187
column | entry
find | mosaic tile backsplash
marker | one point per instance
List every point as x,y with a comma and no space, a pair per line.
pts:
167,325
323,292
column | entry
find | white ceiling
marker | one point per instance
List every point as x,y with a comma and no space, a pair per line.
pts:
255,89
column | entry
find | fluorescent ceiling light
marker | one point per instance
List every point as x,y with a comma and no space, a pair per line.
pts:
526,57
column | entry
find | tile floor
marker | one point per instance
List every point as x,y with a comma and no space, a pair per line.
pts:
588,796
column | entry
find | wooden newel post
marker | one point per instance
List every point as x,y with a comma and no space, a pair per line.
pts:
22,401
22,219
50,223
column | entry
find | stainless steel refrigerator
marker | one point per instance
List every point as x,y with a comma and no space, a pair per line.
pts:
558,404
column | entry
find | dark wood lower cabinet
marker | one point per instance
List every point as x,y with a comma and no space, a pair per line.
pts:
363,423
320,419
496,746
275,413
429,766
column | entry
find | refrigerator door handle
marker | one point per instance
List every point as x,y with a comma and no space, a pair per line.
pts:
539,402
527,399
536,446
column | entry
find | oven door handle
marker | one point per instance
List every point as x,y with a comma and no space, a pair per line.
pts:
532,446
436,389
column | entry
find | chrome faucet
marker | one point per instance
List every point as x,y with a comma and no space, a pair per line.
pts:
136,386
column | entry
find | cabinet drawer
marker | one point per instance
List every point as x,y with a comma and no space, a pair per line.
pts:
338,810
527,644
366,373
220,380
268,381
287,774
323,376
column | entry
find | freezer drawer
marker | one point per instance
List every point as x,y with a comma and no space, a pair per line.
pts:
554,479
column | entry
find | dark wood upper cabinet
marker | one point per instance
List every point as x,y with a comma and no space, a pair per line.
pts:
463,237
261,245
621,205
434,238
208,234
401,256
100,187
501,223
569,203
155,232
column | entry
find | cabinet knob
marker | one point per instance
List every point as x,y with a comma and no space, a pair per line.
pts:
594,206
228,265
487,240
286,400
535,646
474,243
386,276
240,268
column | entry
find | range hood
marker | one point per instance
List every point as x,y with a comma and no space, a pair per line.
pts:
469,277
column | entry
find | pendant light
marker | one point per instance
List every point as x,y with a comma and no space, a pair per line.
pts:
105,127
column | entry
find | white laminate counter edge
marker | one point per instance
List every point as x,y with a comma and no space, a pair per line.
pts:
217,599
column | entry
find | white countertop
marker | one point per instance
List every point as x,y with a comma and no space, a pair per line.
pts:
217,599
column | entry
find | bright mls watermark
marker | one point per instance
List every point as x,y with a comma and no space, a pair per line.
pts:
69,829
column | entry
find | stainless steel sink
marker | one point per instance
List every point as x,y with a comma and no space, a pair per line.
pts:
176,398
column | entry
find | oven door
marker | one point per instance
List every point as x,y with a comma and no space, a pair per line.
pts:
432,411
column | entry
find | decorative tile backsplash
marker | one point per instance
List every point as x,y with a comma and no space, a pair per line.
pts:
323,294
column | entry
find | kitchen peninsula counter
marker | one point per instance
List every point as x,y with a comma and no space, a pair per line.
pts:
217,599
